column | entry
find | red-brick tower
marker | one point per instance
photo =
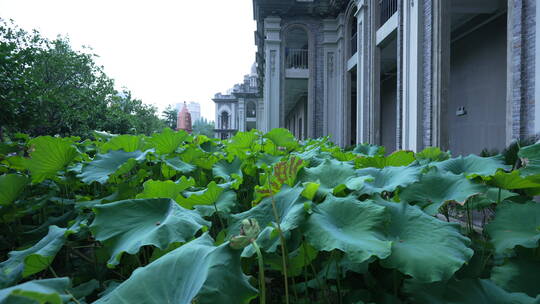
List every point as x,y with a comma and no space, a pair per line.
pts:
184,120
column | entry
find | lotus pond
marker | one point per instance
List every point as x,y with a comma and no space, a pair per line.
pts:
263,218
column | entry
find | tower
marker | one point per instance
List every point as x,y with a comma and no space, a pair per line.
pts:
184,120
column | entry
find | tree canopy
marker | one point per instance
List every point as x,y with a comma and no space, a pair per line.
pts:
48,88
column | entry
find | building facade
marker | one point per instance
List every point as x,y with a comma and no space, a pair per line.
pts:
240,108
406,74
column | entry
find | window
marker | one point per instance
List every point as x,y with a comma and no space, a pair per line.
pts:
251,110
224,121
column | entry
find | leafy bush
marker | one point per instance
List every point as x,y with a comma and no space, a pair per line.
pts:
262,218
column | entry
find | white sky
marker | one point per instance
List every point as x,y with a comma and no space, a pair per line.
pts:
164,51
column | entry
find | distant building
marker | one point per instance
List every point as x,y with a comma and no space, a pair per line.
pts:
239,108
184,120
194,109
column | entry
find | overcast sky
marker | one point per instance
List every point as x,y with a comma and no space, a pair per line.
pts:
164,51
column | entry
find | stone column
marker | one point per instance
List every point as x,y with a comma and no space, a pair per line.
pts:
241,114
364,72
272,98
412,78
260,114
332,104
440,71
537,74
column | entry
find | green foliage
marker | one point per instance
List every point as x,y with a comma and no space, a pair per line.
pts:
180,218
48,88
203,127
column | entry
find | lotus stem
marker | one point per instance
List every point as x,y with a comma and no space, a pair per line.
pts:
262,278
282,239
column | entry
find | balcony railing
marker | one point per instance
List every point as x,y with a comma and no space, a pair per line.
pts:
296,58
387,9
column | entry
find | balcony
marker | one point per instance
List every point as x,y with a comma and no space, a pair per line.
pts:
387,8
296,63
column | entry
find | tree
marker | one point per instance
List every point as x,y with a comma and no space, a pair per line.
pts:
171,116
47,88
204,127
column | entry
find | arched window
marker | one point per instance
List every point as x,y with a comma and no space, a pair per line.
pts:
251,110
354,35
224,120
296,49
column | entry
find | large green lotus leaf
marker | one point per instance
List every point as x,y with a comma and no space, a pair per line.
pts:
313,155
530,157
12,186
226,170
165,189
283,173
490,197
104,165
368,150
50,155
242,142
297,261
168,141
346,224
515,224
49,291
431,154
229,171
436,188
473,165
468,291
207,196
32,260
396,159
330,174
423,246
282,138
127,143
224,204
196,156
518,274
178,165
127,225
385,179
196,272
513,180
289,208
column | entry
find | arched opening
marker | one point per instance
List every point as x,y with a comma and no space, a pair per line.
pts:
353,35
251,110
296,49
224,120
297,96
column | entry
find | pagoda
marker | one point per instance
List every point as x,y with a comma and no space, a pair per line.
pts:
184,120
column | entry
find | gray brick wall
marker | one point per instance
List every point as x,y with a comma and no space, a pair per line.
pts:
522,66
427,73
